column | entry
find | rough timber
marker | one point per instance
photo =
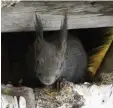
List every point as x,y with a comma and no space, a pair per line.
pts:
80,15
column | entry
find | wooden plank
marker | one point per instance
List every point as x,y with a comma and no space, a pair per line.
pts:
80,15
10,93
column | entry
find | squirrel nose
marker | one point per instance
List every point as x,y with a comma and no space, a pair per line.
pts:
47,80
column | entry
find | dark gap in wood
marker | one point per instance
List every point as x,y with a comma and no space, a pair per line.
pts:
15,46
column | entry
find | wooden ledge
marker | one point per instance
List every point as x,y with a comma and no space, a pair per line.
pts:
80,15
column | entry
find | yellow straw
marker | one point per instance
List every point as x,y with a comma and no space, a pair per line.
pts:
96,59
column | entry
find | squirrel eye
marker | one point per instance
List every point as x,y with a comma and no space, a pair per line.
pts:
61,66
56,76
37,63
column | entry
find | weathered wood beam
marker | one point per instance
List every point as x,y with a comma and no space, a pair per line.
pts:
80,15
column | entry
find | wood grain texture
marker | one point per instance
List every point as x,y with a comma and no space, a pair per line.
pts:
80,15
9,92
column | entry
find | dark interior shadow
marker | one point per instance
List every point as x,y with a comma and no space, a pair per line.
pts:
17,58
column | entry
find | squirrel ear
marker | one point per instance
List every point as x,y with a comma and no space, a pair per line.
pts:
39,29
39,42
63,33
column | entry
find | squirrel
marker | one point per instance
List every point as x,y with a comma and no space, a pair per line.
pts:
64,57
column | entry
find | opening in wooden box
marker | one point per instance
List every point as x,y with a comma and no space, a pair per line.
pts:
17,63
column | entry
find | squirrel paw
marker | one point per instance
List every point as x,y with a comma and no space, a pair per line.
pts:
59,84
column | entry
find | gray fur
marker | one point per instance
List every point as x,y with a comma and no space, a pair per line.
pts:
61,58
